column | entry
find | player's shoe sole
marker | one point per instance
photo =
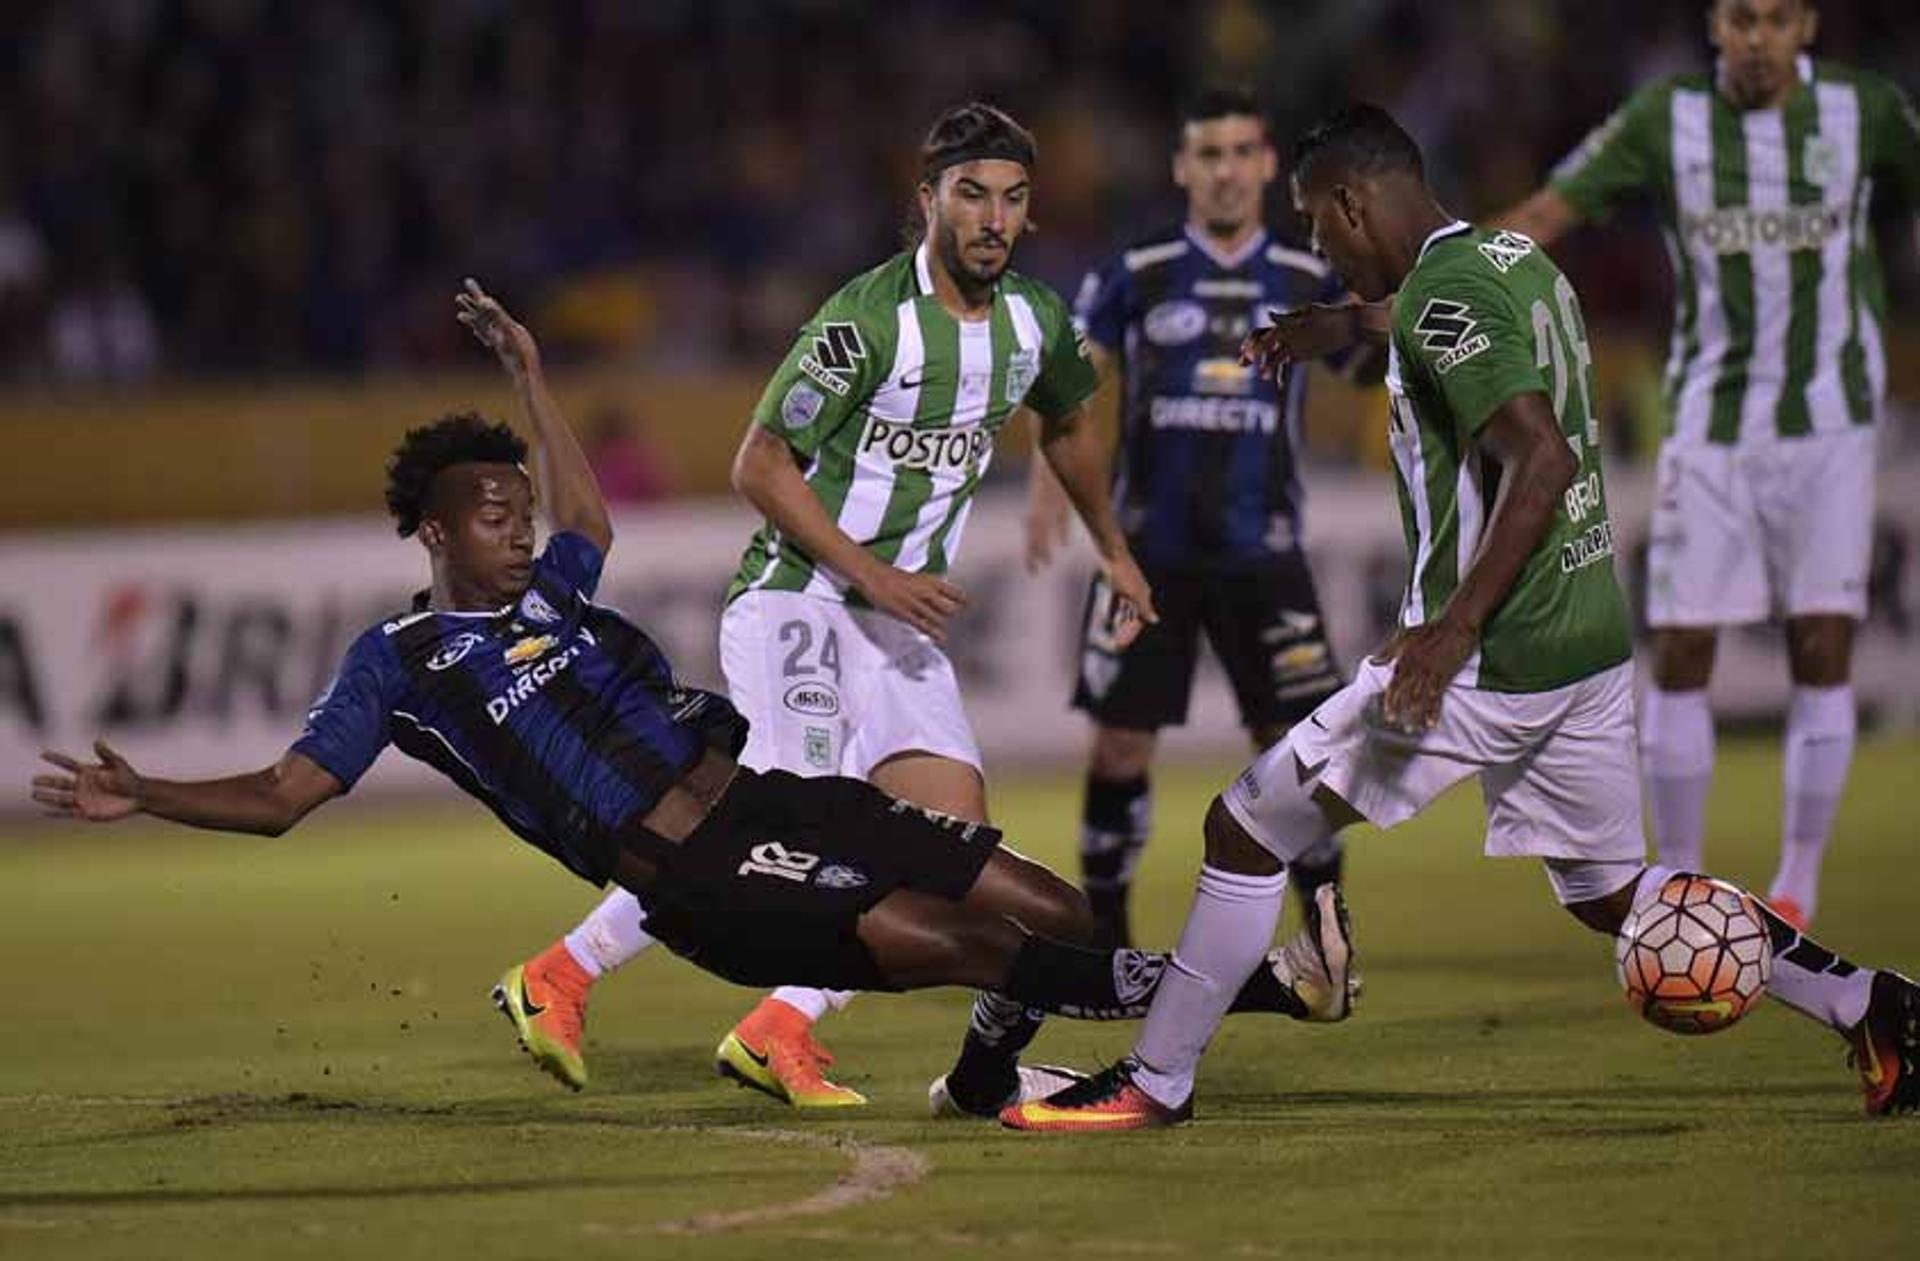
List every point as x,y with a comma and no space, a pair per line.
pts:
1037,1081
1105,1103
1316,966
736,1061
554,1057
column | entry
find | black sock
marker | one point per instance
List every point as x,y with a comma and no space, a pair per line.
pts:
1084,984
1115,819
1307,874
987,1071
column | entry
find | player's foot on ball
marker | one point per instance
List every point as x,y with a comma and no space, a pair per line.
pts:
1316,966
1036,1081
1109,1100
1790,910
1886,1045
773,1051
546,999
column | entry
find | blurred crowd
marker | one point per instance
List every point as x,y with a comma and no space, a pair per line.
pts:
219,187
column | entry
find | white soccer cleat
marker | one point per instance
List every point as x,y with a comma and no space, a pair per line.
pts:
1037,1081
1316,966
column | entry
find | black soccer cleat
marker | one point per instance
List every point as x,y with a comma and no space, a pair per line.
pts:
1886,1046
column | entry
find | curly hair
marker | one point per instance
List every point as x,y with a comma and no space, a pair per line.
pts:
1360,140
970,131
459,438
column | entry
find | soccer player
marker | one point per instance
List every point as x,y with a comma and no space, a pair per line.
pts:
1512,660
1207,487
565,720
1761,174
863,456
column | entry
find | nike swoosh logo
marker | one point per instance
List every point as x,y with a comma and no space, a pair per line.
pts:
1079,1116
758,1057
913,383
1874,1072
526,1000
1715,1008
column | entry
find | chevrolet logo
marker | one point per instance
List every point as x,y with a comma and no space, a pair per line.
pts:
530,648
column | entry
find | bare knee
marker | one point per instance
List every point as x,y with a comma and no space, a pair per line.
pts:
1121,752
1683,658
1820,649
1032,895
1229,848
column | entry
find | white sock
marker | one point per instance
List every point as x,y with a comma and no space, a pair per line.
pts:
610,935
813,1003
1228,931
1820,736
1676,761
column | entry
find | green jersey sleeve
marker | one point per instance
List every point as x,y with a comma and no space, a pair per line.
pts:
1067,378
1461,330
1617,158
834,367
1893,129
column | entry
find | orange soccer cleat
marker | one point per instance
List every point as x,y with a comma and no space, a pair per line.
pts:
546,999
773,1051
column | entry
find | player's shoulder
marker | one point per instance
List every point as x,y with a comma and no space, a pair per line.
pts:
1162,247
1657,94
1471,268
1041,296
1876,91
1288,254
872,297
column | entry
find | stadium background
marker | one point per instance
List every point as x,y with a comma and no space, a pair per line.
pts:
229,235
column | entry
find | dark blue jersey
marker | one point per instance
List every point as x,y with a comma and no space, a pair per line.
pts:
1206,472
561,716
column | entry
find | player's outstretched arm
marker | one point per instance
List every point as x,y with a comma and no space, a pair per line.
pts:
1079,459
1317,331
266,802
764,473
1546,216
572,494
1536,467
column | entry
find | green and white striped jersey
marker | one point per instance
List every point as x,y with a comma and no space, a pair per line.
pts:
892,406
1778,292
1481,319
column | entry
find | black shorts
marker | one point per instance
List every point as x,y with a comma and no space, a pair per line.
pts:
1264,624
770,888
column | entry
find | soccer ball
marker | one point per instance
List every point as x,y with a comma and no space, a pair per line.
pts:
1697,958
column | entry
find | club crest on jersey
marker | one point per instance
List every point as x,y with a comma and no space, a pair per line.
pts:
1820,160
1505,249
835,357
1023,368
835,876
529,648
534,607
454,651
1447,327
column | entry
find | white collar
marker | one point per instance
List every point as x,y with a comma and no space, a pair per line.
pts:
921,272
1457,226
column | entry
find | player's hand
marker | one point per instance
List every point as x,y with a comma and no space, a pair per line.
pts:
497,330
1312,332
1133,609
98,792
922,601
1425,660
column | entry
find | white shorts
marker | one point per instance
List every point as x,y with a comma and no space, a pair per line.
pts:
831,690
1559,769
1742,532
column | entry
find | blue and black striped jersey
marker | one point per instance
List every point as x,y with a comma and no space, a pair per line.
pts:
560,715
1206,472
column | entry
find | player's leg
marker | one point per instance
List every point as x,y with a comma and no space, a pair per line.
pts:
1266,627
545,997
794,667
1705,569
1130,693
1819,526
1877,1011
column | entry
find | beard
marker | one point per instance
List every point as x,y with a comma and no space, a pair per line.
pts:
975,280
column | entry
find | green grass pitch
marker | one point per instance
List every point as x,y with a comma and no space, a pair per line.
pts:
217,1046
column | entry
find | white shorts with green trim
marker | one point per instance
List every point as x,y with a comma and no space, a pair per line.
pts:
833,690
1745,531
1558,770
